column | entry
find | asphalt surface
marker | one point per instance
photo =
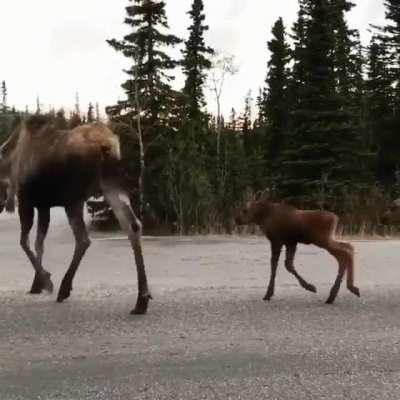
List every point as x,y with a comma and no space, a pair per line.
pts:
207,334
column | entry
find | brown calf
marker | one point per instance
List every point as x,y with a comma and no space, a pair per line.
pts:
285,225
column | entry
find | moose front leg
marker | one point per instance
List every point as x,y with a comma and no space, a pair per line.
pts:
42,228
275,253
82,243
42,277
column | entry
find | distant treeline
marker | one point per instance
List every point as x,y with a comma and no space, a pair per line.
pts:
325,132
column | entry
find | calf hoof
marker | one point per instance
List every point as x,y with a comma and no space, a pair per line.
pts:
355,290
330,300
141,304
64,292
310,288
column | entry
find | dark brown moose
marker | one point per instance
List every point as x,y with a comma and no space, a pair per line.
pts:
285,225
46,167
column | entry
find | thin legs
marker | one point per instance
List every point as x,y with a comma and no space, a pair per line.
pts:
344,254
42,279
289,264
130,223
82,242
275,253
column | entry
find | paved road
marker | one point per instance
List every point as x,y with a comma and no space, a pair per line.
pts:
208,334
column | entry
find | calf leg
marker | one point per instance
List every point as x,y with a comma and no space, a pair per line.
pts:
350,269
42,277
275,253
289,264
345,260
42,228
130,223
82,242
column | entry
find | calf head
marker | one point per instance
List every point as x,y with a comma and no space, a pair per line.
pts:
392,215
250,213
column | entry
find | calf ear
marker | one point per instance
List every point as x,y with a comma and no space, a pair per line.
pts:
258,211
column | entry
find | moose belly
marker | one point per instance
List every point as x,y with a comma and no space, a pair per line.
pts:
289,234
59,184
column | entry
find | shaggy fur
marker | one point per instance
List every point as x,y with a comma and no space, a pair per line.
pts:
47,167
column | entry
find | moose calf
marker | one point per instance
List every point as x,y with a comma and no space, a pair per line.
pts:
285,225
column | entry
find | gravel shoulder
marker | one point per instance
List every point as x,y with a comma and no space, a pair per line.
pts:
208,334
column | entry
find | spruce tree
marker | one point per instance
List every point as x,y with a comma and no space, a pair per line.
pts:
386,48
299,37
276,101
391,39
309,158
150,101
378,94
380,120
146,46
90,113
325,155
196,61
3,96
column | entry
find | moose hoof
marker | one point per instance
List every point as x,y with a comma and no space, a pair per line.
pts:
310,288
41,282
141,304
268,297
62,296
329,301
10,206
35,290
355,290
64,292
47,283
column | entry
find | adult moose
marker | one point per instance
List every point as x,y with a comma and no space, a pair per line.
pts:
285,225
47,167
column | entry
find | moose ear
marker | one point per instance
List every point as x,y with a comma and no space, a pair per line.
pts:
36,122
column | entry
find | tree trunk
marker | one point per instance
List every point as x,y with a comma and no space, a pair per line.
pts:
142,165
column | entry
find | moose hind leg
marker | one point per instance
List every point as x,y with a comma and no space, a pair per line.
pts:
342,257
289,264
120,204
42,277
82,243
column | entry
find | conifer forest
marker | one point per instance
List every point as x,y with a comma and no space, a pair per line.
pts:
322,132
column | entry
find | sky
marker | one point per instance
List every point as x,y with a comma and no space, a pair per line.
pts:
53,49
